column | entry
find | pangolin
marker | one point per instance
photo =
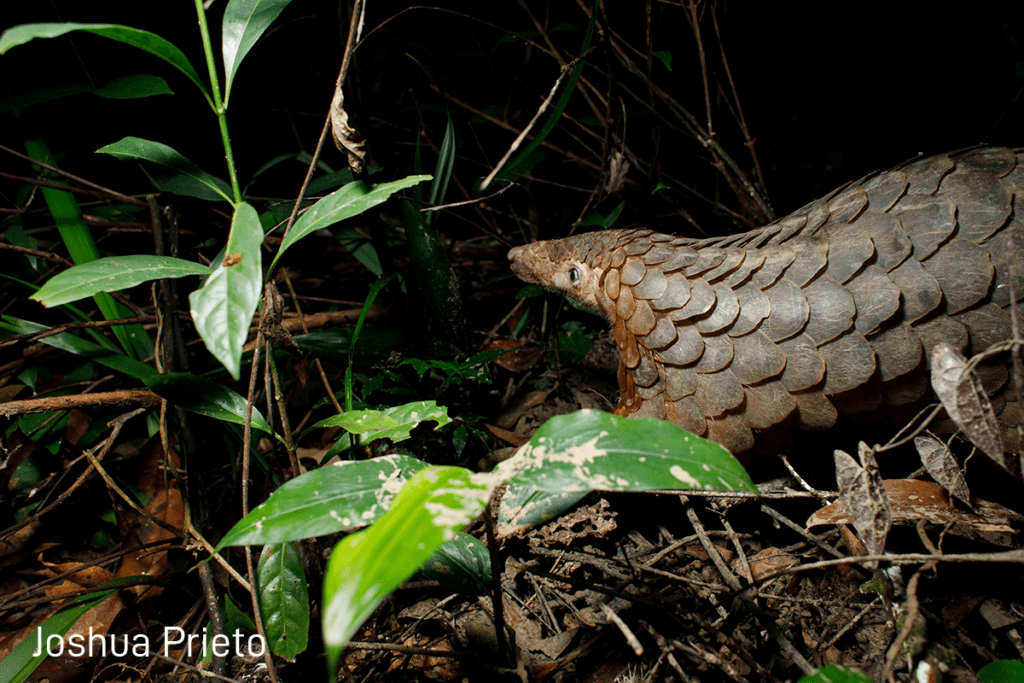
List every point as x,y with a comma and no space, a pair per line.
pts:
834,308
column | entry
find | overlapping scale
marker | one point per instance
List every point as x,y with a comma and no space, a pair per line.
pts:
839,304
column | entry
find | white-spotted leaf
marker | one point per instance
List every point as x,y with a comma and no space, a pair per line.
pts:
572,455
366,566
394,423
347,495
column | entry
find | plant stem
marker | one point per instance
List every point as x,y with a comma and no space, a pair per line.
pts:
218,106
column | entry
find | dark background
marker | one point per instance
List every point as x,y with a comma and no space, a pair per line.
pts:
829,92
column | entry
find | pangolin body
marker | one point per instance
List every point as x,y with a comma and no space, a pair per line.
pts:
836,306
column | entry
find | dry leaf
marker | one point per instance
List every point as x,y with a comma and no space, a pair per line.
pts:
913,500
977,419
862,492
520,359
346,138
965,401
947,365
942,466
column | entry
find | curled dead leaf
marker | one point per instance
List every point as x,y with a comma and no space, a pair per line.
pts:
912,500
346,138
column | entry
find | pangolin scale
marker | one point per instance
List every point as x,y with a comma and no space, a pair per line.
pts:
835,307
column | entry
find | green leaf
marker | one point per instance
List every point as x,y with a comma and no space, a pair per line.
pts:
134,86
346,495
66,341
836,674
284,600
222,309
143,40
362,249
205,397
111,275
572,455
438,283
663,56
394,423
462,565
374,344
367,565
1003,671
173,173
244,22
235,619
349,201
77,237
126,87
443,171
19,664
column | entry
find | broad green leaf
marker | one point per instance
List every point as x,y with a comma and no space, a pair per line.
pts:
126,87
66,341
222,309
367,565
19,663
349,201
134,87
244,22
572,455
205,397
173,172
462,565
394,423
1002,671
836,674
111,275
346,495
284,600
143,40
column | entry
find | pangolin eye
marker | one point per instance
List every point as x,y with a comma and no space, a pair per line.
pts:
574,275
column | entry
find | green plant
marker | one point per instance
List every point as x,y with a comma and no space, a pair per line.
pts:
415,510
222,308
